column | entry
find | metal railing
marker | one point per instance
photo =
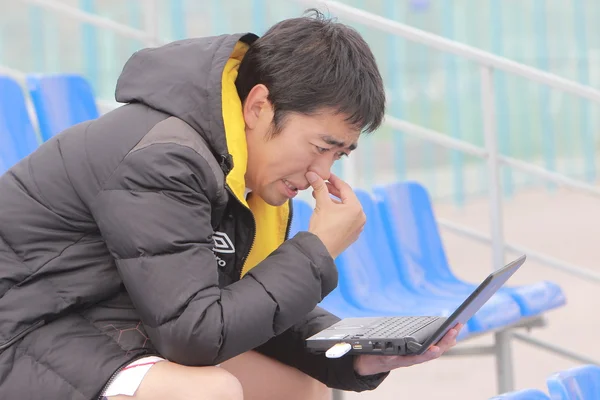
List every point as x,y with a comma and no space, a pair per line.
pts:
481,57
488,64
148,36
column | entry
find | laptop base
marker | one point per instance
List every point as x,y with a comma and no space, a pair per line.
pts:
401,335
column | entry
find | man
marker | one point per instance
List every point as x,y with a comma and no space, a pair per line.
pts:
144,253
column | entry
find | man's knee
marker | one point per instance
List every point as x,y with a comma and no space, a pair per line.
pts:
228,386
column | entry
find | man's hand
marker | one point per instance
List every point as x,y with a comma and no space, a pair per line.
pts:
371,364
337,223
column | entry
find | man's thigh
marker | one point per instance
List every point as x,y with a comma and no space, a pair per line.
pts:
166,380
267,379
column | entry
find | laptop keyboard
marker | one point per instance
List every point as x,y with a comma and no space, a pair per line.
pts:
397,327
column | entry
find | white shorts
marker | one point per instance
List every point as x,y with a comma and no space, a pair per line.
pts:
128,380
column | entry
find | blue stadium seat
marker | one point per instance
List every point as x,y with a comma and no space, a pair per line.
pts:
413,230
526,394
17,136
579,383
301,212
61,101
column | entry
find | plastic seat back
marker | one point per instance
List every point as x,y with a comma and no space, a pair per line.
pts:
369,265
17,136
579,383
61,101
300,217
411,227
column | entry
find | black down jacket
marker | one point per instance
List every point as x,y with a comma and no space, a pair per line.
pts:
130,235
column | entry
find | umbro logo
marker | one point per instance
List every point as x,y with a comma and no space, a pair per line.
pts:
222,243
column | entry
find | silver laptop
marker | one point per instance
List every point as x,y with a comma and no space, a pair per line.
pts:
404,335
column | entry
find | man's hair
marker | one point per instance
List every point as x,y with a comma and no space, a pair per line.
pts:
313,63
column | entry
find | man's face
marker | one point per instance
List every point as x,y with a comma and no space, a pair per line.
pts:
277,164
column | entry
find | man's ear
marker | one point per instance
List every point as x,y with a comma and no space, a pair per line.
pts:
257,109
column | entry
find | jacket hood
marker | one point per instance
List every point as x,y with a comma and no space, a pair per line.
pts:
184,79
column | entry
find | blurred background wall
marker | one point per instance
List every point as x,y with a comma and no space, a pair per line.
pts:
425,86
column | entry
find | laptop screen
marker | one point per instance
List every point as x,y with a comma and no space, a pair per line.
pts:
476,299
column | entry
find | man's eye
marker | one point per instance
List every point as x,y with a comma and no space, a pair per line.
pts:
340,155
321,150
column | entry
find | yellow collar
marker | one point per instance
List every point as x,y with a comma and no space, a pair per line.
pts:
271,222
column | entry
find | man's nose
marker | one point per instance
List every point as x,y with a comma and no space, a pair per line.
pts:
322,167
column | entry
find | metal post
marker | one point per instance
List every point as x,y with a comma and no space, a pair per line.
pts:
259,10
36,20
500,96
90,46
150,8
178,20
504,362
453,100
583,74
493,164
396,75
503,348
337,395
542,59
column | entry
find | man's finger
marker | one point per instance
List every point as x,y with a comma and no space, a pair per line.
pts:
345,191
320,192
433,353
336,201
333,190
451,335
449,339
